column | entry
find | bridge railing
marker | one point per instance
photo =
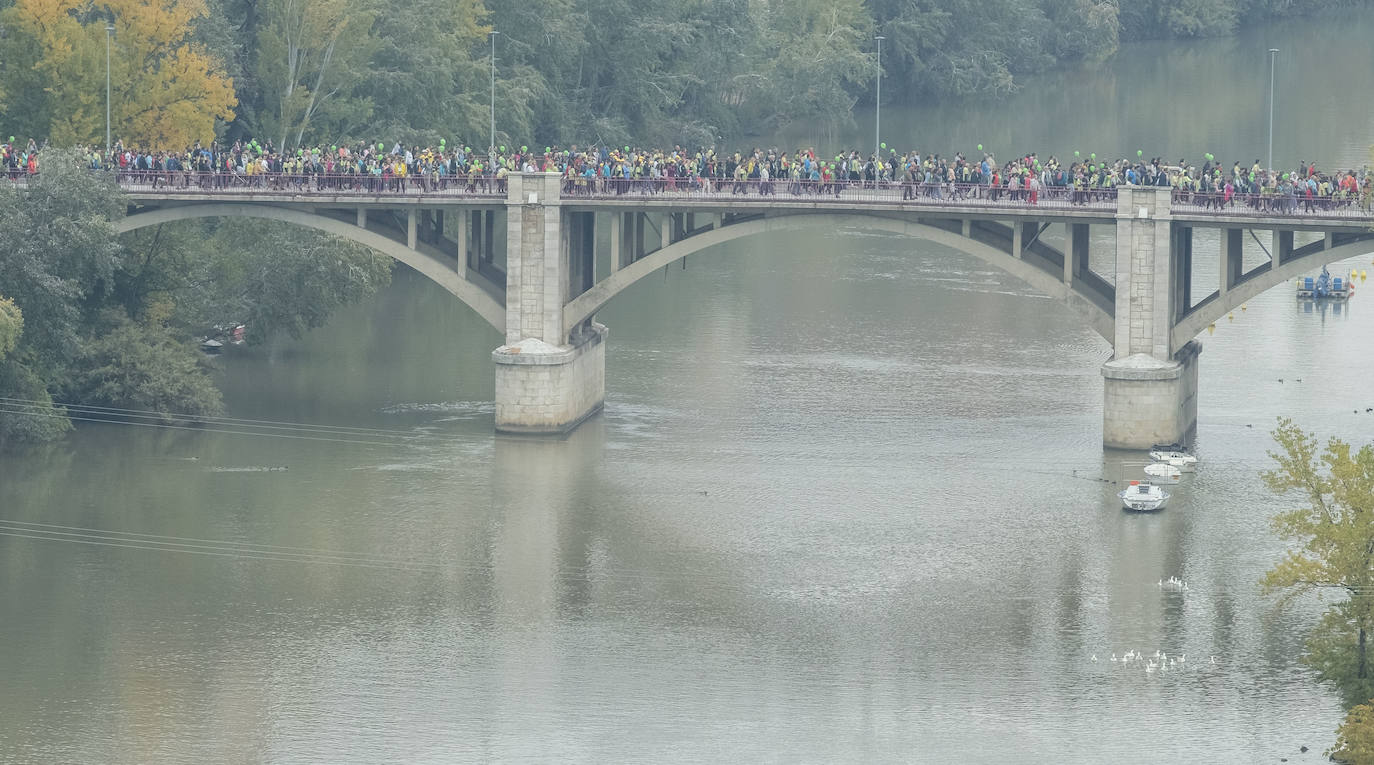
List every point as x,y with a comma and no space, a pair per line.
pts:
290,184
894,193
301,184
1344,207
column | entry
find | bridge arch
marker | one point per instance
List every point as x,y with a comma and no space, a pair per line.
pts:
1210,311
437,271
591,301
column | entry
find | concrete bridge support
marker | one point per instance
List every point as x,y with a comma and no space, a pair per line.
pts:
1150,394
549,378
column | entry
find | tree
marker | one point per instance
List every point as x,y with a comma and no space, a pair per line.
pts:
1355,737
167,91
275,277
814,59
138,366
11,326
1334,548
313,58
57,251
423,78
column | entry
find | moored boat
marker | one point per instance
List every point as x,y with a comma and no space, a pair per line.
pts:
1164,471
1143,496
1181,460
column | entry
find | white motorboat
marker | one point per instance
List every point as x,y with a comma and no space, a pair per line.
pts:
1181,460
1143,496
1164,471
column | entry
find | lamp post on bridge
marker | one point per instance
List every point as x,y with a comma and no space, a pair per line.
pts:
491,147
878,101
1273,52
109,33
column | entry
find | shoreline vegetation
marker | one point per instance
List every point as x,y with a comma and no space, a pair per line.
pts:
97,318
648,72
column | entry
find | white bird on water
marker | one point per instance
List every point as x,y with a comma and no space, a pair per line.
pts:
1214,660
1114,657
1094,657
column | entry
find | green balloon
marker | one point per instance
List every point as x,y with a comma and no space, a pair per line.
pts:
1139,153
442,142
548,149
980,147
524,149
1076,154
627,148
1092,156
882,145
381,147
503,149
333,148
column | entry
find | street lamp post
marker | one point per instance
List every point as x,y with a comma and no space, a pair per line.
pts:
491,147
109,33
878,100
1272,53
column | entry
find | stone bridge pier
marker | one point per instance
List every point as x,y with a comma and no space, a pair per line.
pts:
549,377
543,296
1149,391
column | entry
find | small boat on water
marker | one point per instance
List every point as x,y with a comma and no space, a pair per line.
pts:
1164,471
1179,459
1325,286
1143,496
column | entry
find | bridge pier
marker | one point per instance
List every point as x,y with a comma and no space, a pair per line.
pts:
549,378
1149,392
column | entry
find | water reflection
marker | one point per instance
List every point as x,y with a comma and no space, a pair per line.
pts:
847,502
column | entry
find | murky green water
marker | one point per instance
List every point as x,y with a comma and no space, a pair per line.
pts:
842,506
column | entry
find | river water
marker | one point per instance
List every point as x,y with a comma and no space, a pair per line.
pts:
843,505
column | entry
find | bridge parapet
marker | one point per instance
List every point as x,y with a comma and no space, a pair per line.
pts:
1141,302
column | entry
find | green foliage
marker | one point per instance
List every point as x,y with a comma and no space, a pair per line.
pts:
422,78
821,52
275,277
113,324
1333,651
31,418
57,253
11,326
1355,737
313,58
1333,537
136,366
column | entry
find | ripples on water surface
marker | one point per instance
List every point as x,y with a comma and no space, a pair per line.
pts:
842,506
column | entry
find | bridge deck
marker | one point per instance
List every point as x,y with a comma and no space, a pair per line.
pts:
958,201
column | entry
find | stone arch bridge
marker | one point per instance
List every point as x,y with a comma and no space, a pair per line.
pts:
525,260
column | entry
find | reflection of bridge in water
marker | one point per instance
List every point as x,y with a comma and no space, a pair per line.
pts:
525,260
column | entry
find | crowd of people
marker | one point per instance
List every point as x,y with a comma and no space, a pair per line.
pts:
604,170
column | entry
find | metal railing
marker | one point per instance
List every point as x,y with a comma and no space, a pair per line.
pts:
302,184
1338,207
293,184
893,193
1341,206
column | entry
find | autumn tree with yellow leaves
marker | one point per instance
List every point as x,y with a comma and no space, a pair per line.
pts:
1331,549
166,90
